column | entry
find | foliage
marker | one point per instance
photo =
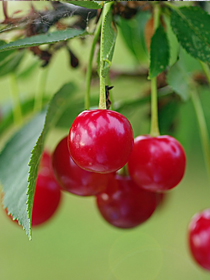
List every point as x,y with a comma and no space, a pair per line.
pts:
175,81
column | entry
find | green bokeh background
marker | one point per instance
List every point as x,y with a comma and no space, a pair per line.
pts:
77,243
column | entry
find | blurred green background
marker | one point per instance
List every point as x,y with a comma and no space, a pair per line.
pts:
77,244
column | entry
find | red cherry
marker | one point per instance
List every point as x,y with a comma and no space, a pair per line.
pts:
157,163
100,140
74,179
46,199
124,204
199,238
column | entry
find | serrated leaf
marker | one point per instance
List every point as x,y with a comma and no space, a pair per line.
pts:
19,193
86,4
48,38
14,169
108,37
132,31
159,52
191,26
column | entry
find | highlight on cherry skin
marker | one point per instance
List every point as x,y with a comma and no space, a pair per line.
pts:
157,163
74,179
124,205
100,141
199,238
47,195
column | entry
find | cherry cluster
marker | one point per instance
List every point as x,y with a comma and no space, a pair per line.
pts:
99,144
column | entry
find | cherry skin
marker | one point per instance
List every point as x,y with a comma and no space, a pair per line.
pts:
74,179
124,204
157,163
199,238
47,198
100,140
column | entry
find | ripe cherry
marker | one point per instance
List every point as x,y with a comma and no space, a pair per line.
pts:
199,238
124,204
46,199
157,163
74,179
100,140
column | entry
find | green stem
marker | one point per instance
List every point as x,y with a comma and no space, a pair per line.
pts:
206,70
41,90
90,63
102,98
154,130
203,129
18,119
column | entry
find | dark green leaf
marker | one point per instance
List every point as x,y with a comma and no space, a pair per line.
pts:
19,193
191,26
86,4
159,52
108,36
132,31
48,38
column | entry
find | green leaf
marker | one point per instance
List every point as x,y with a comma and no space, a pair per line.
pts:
19,193
14,169
191,26
48,38
11,62
86,4
159,52
179,77
109,35
179,80
132,31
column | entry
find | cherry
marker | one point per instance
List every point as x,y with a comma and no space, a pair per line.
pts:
124,204
157,163
199,238
100,140
74,179
46,199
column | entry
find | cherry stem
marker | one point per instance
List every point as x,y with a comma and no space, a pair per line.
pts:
41,90
154,130
90,63
17,112
102,98
203,129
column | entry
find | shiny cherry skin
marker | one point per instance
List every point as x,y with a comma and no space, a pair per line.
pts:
100,140
124,204
47,198
199,238
157,163
74,179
